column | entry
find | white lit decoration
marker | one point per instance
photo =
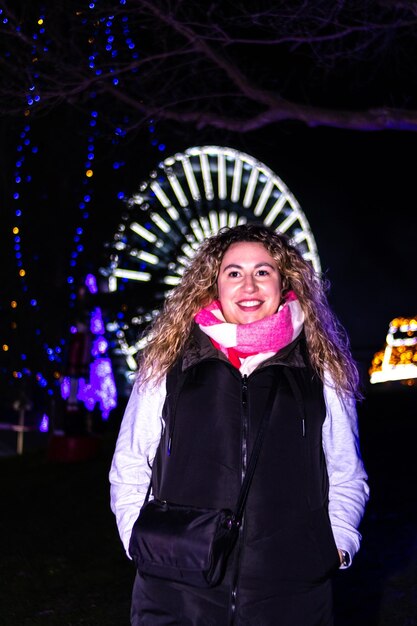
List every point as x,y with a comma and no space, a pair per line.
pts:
399,359
189,197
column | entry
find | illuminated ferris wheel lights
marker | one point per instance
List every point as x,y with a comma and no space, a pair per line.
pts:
189,175
173,213
205,170
233,219
308,256
222,218
131,362
263,198
169,161
147,257
143,232
129,350
188,250
132,275
160,222
168,216
195,227
248,197
136,199
264,175
205,225
285,225
276,210
214,221
172,280
182,260
298,237
160,194
112,284
178,190
237,179
222,185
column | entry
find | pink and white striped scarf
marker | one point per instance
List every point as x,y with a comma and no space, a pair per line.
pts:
268,335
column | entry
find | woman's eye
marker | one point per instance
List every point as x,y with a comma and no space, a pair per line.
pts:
234,274
263,273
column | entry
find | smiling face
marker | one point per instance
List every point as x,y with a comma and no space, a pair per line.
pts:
249,283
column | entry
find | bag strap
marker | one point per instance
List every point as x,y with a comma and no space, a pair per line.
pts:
244,490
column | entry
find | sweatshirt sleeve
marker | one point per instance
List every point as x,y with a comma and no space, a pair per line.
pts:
136,444
348,487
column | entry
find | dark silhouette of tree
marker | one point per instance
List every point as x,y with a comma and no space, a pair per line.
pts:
230,65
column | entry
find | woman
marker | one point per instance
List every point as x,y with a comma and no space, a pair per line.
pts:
249,314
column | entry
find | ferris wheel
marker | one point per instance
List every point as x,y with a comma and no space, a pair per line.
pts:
188,197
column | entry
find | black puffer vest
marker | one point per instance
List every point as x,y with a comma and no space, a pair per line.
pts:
212,416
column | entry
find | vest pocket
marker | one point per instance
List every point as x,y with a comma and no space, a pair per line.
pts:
301,551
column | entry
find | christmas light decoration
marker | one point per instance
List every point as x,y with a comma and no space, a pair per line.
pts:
398,361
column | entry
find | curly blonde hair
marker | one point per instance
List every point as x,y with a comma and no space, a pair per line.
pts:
327,340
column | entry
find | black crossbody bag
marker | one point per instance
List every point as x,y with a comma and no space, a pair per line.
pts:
191,544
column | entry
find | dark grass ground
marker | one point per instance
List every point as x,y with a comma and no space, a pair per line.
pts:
62,564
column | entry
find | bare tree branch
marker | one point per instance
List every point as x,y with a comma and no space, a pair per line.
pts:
218,64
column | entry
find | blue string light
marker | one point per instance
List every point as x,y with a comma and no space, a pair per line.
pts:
21,193
111,38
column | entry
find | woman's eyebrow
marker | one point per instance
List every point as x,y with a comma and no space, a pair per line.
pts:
239,267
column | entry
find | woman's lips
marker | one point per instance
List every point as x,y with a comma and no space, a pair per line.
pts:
249,305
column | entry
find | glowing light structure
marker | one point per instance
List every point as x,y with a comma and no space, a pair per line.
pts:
101,387
399,359
189,197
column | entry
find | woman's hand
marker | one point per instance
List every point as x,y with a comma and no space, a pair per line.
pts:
344,558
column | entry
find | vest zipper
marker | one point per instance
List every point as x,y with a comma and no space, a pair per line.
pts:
245,424
243,472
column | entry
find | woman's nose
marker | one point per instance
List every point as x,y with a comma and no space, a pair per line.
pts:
249,284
